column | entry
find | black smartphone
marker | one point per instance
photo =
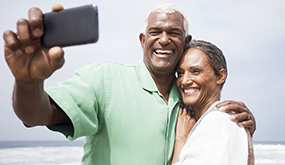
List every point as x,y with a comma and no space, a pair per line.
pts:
74,26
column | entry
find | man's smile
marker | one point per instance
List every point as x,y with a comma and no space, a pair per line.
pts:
163,52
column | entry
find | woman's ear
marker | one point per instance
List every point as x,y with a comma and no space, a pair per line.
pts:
222,76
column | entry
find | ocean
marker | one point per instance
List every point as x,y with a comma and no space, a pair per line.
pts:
269,153
70,153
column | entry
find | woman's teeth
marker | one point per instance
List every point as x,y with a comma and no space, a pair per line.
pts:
190,91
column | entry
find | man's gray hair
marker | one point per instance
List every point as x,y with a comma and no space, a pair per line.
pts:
167,9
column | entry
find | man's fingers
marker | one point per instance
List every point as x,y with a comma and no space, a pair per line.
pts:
228,102
57,7
246,124
250,125
224,103
242,114
239,117
12,42
36,22
24,35
232,108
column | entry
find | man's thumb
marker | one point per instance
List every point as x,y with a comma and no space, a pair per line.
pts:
56,56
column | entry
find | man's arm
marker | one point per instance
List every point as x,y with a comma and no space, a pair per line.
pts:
31,64
34,107
243,115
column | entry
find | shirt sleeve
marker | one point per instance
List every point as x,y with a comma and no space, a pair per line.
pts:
79,98
216,141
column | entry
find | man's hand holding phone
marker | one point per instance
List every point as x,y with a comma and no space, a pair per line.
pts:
27,59
34,52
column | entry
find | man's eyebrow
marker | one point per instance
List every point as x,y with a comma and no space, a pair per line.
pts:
176,29
171,29
154,28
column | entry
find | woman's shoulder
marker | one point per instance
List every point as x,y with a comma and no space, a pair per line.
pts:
218,136
217,114
217,125
219,121
214,114
214,117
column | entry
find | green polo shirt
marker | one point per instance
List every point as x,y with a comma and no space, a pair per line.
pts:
121,112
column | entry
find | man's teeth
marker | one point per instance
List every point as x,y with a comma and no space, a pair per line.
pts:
191,90
164,51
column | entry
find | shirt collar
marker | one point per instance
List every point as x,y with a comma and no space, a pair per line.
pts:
174,95
148,83
145,77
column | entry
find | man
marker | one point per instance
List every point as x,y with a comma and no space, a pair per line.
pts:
127,113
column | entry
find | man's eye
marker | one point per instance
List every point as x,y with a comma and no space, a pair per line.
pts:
174,33
154,32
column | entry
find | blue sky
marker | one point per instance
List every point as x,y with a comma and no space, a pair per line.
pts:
250,33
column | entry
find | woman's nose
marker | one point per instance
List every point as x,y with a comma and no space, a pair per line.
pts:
186,80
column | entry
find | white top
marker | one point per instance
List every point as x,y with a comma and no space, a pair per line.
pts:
215,140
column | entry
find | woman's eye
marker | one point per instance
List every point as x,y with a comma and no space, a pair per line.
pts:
196,71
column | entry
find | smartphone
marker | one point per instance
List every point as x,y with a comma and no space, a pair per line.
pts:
68,27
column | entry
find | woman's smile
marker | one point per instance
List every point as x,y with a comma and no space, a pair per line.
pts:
190,91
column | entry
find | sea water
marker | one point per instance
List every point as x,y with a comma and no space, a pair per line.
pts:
269,153
40,152
70,153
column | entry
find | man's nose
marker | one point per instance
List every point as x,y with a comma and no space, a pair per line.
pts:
164,39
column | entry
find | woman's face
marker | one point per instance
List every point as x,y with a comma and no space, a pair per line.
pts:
197,82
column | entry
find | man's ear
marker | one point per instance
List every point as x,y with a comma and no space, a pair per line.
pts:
222,76
188,39
142,39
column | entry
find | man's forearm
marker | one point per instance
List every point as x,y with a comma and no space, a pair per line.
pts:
31,103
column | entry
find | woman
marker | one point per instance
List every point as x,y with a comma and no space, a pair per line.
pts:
213,138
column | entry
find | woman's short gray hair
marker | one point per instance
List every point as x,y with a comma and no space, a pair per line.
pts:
167,8
216,57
